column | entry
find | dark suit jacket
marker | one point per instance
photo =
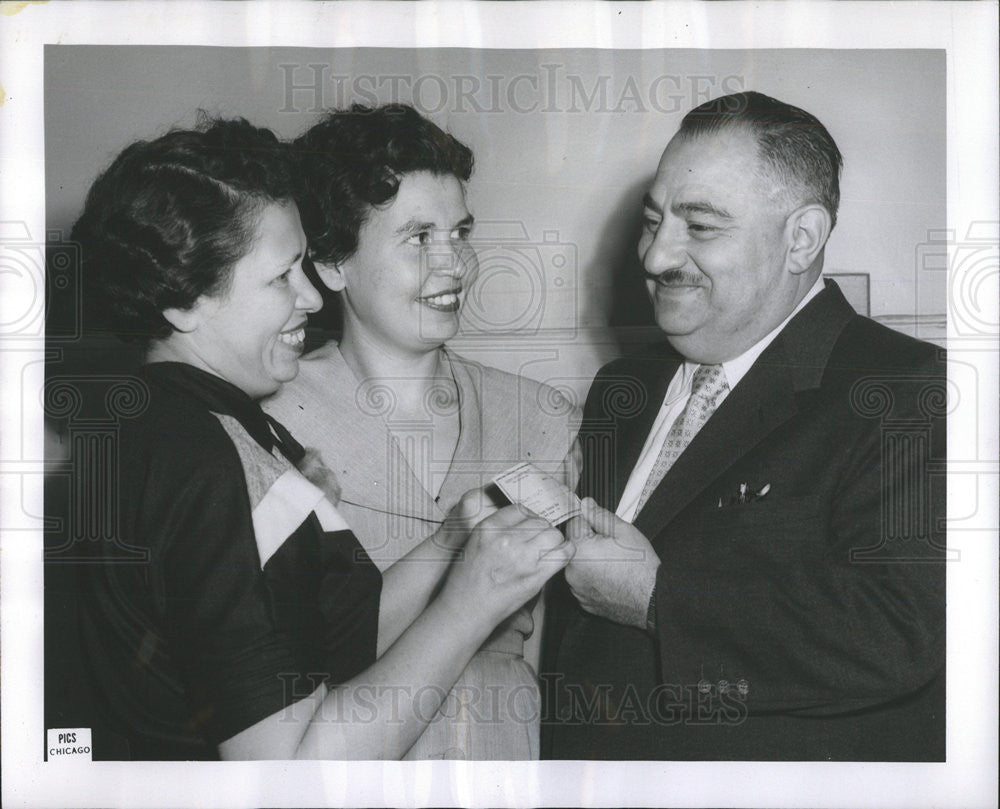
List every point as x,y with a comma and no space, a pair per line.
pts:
806,624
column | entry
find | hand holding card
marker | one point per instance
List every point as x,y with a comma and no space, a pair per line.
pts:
527,485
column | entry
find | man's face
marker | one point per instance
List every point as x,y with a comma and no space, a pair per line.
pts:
714,247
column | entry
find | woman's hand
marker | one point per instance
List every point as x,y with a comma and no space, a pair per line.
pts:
507,559
317,473
474,506
409,584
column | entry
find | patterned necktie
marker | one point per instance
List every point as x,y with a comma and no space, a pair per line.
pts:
708,385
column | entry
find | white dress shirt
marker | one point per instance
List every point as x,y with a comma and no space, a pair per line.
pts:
678,393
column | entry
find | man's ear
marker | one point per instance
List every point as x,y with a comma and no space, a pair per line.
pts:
331,275
807,229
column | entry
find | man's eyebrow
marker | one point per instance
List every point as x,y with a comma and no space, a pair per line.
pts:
702,207
651,204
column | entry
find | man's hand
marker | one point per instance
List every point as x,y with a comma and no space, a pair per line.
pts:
613,572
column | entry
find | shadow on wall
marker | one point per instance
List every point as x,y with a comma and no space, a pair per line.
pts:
630,301
628,312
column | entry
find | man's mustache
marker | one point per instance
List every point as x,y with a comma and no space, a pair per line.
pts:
671,277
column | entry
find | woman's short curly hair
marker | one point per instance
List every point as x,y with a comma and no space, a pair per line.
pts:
167,220
354,160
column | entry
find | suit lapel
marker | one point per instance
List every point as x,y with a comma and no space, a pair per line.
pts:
622,426
763,400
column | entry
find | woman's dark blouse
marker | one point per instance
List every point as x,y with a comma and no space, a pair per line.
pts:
253,589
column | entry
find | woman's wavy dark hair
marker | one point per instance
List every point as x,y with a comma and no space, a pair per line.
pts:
353,160
168,219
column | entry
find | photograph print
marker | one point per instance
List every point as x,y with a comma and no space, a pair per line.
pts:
405,418
440,250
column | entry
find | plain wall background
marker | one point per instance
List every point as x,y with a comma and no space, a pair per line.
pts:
566,142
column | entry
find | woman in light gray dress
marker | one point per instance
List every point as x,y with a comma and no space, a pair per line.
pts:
406,424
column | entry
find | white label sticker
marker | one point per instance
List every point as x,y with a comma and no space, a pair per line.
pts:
68,744
532,488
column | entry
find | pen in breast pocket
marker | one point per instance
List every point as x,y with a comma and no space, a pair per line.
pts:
746,495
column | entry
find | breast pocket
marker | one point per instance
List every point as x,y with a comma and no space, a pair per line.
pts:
768,513
788,535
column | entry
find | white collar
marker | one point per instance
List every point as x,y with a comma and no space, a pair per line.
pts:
735,369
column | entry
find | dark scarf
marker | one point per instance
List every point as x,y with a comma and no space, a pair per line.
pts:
224,398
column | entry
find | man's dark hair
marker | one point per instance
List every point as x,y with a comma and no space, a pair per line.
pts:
167,220
794,147
353,160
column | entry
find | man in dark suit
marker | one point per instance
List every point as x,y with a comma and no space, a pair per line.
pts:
761,575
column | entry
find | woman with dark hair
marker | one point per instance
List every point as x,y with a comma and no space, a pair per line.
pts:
406,424
248,627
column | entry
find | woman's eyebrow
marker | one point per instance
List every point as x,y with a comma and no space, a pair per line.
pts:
294,259
416,226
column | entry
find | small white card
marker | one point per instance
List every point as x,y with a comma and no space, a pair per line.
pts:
68,744
532,488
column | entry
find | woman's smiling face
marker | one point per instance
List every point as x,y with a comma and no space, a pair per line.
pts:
251,333
404,286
